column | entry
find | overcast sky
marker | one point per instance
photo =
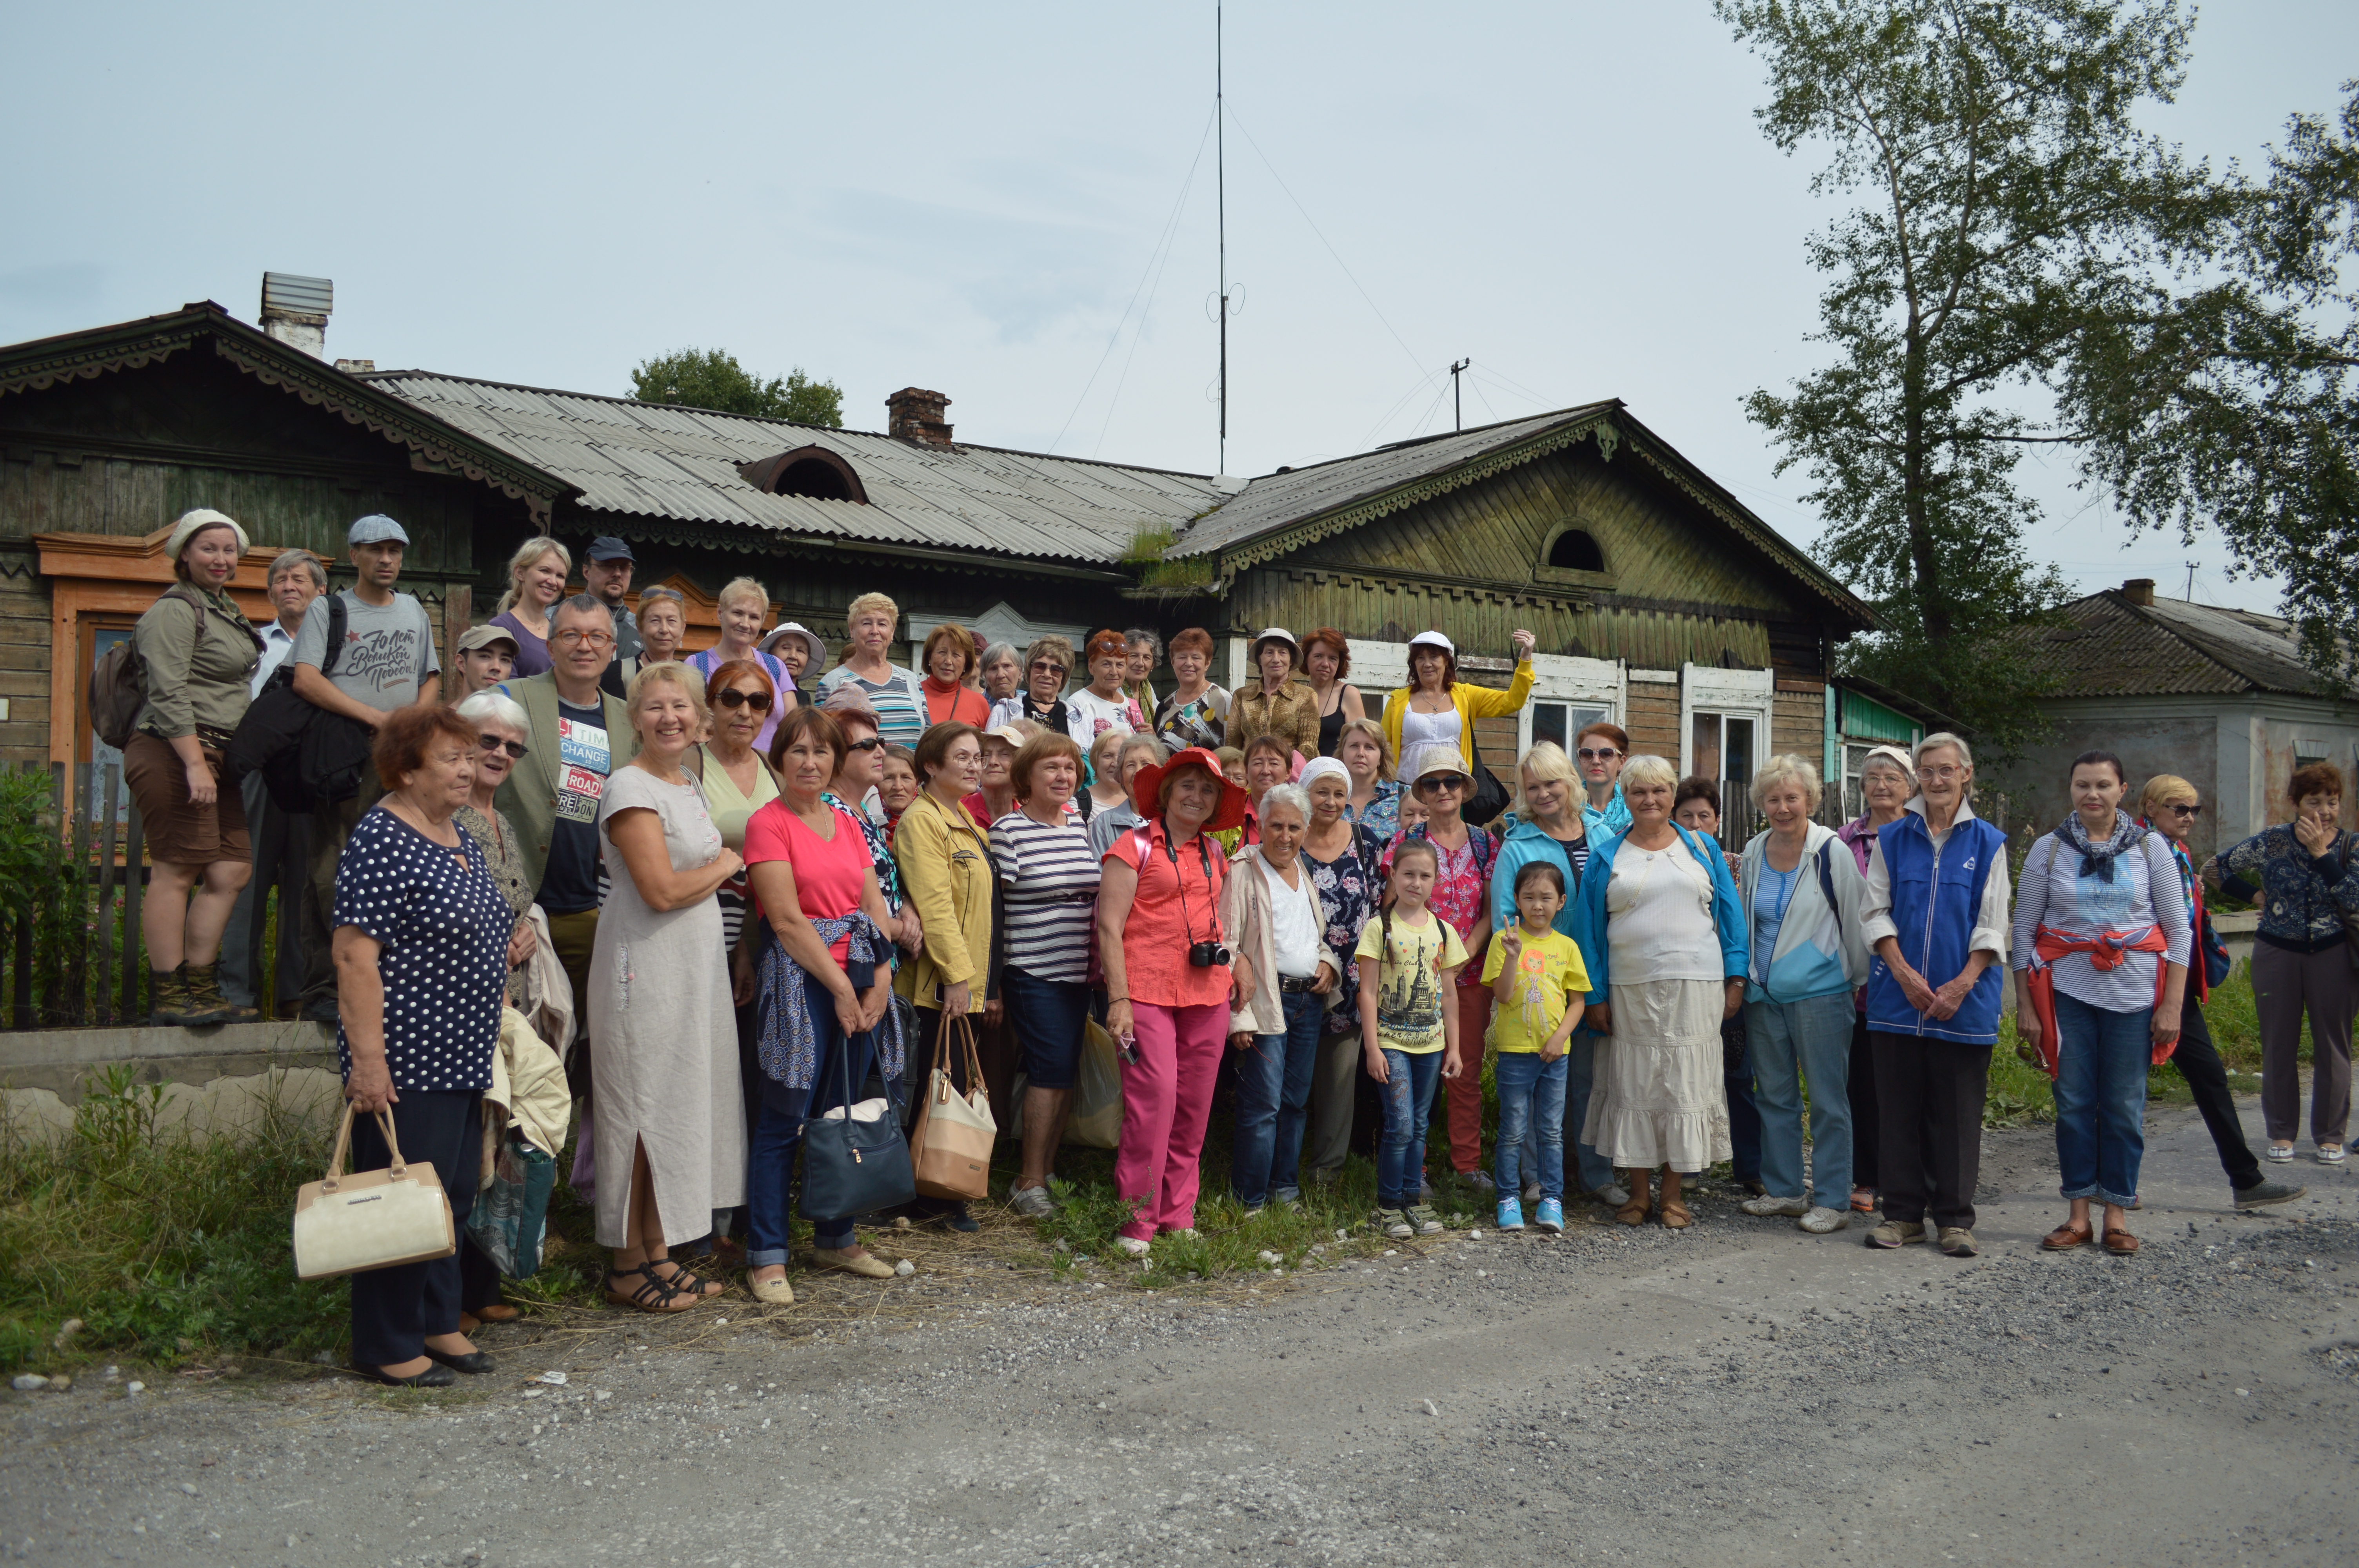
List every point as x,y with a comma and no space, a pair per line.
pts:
1014,205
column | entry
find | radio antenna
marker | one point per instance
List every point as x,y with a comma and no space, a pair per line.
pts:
1220,203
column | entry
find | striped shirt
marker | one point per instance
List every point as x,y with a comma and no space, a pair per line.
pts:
900,703
1052,884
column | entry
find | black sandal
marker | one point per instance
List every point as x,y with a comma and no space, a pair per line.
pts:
687,1281
653,1295
432,1378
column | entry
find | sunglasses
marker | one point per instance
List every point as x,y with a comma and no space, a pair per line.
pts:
730,697
1607,755
874,743
515,748
1445,783
2184,810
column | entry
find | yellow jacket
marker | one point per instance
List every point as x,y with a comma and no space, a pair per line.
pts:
946,872
1472,701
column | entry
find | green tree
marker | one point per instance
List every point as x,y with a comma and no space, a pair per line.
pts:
2009,214
712,378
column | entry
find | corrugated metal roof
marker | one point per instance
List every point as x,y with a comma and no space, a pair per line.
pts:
659,461
2110,647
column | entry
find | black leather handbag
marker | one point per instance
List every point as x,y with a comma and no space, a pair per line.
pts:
856,1162
1490,796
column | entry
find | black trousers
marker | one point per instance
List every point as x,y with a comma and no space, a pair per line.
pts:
1928,1096
2198,1061
395,1308
1867,1130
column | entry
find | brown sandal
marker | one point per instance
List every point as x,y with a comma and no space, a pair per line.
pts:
1642,1200
2065,1238
1676,1215
2120,1243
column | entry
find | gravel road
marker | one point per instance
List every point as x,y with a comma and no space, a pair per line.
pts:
1742,1393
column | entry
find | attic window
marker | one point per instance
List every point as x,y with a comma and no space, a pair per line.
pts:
1575,550
821,482
814,470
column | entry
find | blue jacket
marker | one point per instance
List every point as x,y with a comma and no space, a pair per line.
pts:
1727,911
1936,896
1525,842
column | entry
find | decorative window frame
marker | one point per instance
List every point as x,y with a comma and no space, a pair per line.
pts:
1565,577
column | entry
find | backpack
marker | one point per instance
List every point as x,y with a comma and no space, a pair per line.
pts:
305,754
118,681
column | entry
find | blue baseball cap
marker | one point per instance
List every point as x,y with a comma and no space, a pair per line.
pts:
376,528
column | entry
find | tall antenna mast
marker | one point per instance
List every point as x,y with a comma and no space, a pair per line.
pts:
1457,403
1220,187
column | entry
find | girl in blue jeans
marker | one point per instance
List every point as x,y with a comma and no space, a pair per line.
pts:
1409,961
1536,974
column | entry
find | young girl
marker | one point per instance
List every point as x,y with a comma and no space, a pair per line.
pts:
1535,974
1408,1022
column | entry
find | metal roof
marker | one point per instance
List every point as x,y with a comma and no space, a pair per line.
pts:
2110,646
660,461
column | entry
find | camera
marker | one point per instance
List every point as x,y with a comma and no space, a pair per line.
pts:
1208,955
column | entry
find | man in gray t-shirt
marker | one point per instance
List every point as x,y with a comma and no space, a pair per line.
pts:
386,662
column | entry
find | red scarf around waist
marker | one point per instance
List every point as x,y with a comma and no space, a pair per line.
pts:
2109,951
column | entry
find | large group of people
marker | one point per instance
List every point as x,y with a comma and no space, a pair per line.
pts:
744,891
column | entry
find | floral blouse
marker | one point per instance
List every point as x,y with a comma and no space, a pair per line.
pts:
880,849
1382,816
1462,892
2302,898
1348,887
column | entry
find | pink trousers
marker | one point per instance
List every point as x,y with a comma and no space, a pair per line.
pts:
1167,1102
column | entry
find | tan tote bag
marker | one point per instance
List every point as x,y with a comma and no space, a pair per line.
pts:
371,1220
951,1146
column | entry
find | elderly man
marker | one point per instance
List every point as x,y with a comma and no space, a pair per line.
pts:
579,736
482,660
297,577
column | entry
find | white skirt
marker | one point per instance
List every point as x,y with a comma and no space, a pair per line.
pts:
1660,1097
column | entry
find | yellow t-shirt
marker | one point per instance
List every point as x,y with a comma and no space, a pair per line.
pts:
1410,995
1552,980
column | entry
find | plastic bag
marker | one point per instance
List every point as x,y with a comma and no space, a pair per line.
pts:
1096,1119
510,1215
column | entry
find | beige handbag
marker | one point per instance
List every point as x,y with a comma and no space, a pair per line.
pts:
952,1144
371,1220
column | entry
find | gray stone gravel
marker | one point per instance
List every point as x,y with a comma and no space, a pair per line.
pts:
1611,1396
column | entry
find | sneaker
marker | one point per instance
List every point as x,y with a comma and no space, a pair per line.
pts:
1957,1241
1032,1203
2260,1194
1511,1215
2276,1153
1894,1233
1824,1221
1428,1223
1253,1213
1765,1206
1480,1183
1396,1223
2332,1153
1531,1192
1550,1216
1613,1194
1131,1245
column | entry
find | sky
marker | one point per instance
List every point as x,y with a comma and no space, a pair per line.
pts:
1016,205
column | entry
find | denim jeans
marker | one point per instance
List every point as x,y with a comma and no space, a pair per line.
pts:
1791,1043
779,1133
2101,1062
1273,1101
1580,1072
1532,1094
1407,1094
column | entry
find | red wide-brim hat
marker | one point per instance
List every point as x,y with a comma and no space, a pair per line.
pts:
1146,789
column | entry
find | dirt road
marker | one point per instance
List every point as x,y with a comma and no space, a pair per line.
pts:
1742,1393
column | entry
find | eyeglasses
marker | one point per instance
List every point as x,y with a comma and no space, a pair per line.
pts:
574,637
1605,755
2184,810
1445,783
1042,666
874,743
1943,774
730,697
494,743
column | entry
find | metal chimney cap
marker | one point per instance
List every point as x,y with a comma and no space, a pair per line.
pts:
292,293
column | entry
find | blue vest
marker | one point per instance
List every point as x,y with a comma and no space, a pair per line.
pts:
1936,894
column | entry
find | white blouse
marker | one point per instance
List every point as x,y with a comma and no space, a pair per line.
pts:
1658,923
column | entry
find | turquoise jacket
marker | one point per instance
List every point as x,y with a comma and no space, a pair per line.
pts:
1727,911
1525,843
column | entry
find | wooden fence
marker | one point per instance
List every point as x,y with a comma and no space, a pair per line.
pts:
89,966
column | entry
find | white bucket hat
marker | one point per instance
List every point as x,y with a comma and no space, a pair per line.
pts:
193,521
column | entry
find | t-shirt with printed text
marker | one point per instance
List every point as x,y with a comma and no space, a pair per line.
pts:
388,649
585,758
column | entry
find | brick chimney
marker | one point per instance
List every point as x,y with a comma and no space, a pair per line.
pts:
915,415
2138,590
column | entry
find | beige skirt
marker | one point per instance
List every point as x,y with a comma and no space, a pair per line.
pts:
1660,1097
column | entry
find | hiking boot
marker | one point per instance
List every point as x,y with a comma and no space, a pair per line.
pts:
1790,1208
206,1001
1032,1203
168,998
2261,1195
1894,1233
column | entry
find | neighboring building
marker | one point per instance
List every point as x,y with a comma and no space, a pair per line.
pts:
2218,696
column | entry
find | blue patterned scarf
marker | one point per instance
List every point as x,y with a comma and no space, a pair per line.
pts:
788,1044
2097,860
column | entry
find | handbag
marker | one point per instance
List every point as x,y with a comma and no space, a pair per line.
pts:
1490,797
950,1151
371,1220
511,1215
855,1160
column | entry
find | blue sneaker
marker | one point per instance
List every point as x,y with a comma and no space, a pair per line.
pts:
1550,1216
1511,1214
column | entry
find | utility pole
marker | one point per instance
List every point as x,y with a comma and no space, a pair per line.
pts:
1457,401
1221,188
2190,582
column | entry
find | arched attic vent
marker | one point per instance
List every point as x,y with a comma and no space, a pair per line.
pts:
812,470
1576,550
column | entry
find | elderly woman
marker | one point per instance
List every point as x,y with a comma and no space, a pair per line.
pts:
536,575
1103,707
946,864
421,942
867,668
860,763
1462,896
1196,713
2304,874
1367,758
1807,959
799,648
2100,946
1280,703
1171,981
669,1105
1887,779
1662,935
1002,673
1935,918
949,661
1106,791
1049,882
663,625
1146,650
1271,912
1345,864
1046,663
994,794
744,605
200,653
1137,751
825,990
1436,707
1326,661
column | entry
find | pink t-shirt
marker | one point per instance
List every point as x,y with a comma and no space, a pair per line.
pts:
830,874
1155,938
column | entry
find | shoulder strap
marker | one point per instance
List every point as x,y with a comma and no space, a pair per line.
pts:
1827,872
337,620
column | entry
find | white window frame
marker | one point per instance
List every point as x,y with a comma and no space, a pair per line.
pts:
1601,684
1000,623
